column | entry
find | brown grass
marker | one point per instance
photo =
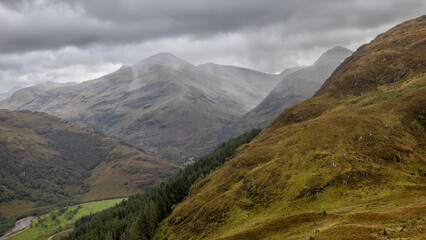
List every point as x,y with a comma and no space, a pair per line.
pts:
357,156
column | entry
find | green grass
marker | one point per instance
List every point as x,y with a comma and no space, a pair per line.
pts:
44,226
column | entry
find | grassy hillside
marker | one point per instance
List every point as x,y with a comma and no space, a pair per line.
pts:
348,163
56,221
46,161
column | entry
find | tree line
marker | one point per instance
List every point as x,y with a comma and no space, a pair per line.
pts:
139,216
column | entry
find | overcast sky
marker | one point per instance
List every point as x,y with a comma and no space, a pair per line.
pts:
77,40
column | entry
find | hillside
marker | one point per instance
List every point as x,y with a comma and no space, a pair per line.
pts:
348,163
47,161
25,95
243,85
165,105
138,217
295,86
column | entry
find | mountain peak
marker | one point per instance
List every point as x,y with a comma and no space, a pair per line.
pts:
333,54
164,57
388,58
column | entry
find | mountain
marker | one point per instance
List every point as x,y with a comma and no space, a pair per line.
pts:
9,93
24,95
243,85
348,163
48,161
167,106
296,85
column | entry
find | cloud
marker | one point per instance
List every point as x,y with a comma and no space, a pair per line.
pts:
39,37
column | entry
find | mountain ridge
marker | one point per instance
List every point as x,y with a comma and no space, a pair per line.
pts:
296,85
244,84
10,92
25,95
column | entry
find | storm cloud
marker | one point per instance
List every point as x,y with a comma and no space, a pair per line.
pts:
76,40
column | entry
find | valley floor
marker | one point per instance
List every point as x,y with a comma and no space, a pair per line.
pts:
47,225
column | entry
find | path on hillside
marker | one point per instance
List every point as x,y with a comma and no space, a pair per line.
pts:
54,235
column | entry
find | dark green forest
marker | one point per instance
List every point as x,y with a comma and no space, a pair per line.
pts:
139,216
50,181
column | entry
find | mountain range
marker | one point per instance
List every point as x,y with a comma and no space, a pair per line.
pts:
176,110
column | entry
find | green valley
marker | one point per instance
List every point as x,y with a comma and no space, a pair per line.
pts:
60,220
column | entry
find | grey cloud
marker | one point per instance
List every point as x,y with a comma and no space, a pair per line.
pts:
48,39
55,24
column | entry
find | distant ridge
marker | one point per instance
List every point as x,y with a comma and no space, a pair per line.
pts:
296,85
23,96
9,93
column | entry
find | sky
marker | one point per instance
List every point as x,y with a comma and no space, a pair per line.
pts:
78,40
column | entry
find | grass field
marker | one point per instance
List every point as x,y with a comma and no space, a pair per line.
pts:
48,224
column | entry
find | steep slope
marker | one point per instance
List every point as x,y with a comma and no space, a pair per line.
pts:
163,104
243,85
293,88
47,161
348,163
25,95
138,217
10,92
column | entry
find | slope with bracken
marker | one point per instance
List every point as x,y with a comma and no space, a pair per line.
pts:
348,163
47,161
